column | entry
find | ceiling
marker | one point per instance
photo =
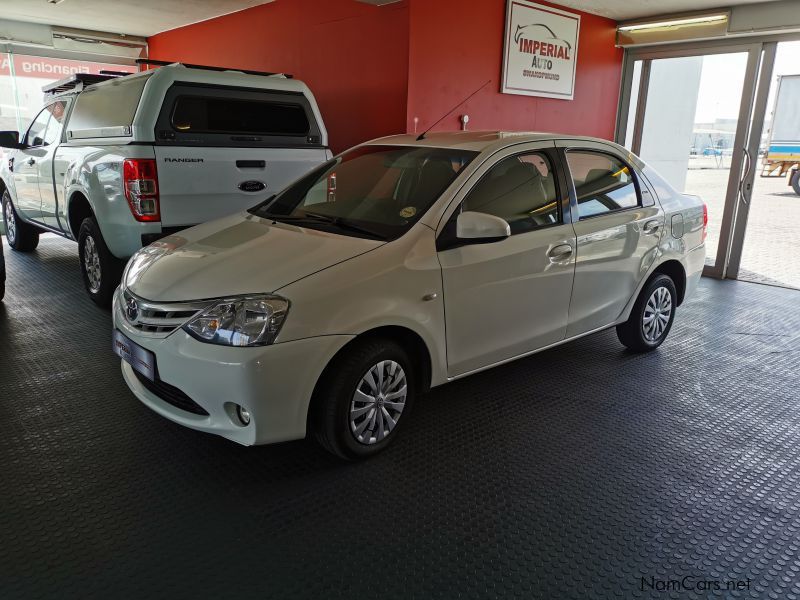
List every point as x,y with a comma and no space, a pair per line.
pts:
148,17
623,10
139,17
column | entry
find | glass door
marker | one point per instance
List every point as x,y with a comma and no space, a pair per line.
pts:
766,238
688,115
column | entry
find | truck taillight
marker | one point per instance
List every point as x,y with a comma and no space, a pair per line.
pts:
140,178
705,221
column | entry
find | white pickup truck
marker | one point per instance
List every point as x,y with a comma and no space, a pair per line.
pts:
117,162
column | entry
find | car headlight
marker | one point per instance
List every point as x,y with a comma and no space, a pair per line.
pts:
244,321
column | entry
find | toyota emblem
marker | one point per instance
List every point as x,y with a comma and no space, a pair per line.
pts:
132,310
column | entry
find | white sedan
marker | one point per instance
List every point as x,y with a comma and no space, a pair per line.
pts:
400,265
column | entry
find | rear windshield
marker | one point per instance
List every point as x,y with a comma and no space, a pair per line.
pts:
195,114
108,108
202,114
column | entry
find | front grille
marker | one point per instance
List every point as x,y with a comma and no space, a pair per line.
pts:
171,395
158,318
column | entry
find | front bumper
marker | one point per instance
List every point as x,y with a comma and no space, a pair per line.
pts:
274,383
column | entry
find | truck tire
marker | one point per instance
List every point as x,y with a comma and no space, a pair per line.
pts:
794,181
21,236
101,270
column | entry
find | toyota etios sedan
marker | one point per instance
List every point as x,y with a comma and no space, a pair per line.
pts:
400,265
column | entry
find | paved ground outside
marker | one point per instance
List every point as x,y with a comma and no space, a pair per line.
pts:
772,242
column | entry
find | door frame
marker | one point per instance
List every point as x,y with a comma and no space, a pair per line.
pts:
752,109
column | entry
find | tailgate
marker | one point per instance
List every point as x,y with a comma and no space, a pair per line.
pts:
198,184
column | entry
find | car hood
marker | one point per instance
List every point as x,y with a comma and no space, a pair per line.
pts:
239,254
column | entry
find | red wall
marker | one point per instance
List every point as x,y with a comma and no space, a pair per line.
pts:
352,55
456,46
374,69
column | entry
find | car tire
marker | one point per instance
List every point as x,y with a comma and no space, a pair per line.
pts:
794,181
21,236
652,316
101,270
349,394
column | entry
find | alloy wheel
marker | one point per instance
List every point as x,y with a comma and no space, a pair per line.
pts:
378,402
11,223
91,263
657,313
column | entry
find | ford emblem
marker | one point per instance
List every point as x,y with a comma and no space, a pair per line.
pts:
252,186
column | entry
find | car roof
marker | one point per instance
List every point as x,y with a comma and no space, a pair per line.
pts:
478,141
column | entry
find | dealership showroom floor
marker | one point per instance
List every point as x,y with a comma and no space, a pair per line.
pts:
573,473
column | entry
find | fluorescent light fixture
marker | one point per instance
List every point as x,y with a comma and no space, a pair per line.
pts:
701,20
54,1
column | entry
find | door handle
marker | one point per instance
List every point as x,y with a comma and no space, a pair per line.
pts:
31,161
745,176
651,227
560,252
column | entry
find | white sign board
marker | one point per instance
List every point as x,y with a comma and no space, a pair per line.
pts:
541,50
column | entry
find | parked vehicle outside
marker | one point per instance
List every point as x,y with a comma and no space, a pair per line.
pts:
400,265
116,163
782,158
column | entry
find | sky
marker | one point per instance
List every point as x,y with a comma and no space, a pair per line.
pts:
723,76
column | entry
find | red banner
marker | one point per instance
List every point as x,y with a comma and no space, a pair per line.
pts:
54,68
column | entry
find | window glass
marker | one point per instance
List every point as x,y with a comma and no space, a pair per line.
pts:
603,183
374,190
35,135
53,133
108,105
201,114
520,189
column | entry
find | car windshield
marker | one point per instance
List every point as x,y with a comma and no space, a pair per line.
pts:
372,191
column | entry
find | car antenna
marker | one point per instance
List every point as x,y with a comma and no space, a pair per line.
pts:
447,114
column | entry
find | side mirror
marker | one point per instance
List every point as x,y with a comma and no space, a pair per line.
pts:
481,227
10,139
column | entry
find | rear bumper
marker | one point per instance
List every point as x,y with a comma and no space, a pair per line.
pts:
694,263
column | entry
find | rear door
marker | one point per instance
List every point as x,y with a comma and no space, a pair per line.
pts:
220,150
618,225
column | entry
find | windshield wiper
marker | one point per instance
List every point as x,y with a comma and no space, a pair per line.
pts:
327,219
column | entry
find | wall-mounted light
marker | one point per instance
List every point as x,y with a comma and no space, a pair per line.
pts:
700,20
54,1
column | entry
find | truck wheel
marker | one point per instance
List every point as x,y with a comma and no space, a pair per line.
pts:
651,317
101,270
795,181
20,235
362,399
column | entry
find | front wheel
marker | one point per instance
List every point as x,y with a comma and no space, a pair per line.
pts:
795,181
20,235
362,399
651,317
101,270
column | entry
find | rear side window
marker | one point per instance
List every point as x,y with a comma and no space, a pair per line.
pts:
603,183
203,114
107,109
195,114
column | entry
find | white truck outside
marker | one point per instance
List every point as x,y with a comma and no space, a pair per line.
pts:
117,162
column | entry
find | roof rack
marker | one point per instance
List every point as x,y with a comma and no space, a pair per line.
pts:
164,63
77,81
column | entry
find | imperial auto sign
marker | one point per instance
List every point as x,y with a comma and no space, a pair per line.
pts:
541,50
